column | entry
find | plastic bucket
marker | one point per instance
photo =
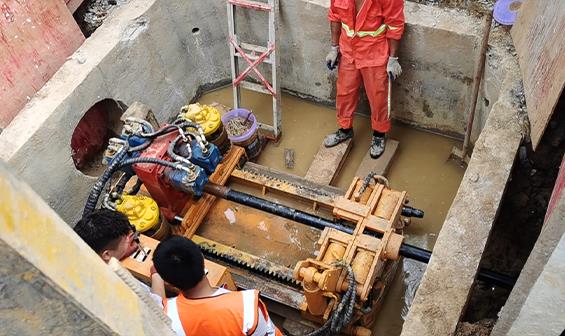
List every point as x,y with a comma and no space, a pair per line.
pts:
249,139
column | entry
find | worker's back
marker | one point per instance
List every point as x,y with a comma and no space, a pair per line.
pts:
224,313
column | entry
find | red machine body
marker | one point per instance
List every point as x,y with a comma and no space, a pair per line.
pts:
171,201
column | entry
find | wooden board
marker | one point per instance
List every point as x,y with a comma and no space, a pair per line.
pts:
380,165
539,38
218,275
327,163
36,37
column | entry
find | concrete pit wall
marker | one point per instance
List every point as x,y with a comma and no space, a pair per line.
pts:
151,51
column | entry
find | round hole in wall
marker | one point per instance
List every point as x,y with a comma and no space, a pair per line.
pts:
195,30
318,84
90,137
486,101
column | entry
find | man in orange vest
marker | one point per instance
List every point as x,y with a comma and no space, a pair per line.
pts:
203,310
366,33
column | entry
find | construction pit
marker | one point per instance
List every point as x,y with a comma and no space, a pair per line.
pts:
154,57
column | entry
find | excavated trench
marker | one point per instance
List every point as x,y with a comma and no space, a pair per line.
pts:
168,53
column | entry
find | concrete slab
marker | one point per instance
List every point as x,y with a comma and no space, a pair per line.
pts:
379,166
444,291
552,232
327,163
543,312
60,289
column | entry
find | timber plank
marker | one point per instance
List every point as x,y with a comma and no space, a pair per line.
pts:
327,163
379,166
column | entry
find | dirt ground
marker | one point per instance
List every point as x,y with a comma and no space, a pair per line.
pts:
480,328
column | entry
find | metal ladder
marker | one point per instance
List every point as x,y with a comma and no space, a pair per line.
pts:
255,55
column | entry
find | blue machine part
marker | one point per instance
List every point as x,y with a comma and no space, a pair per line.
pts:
181,180
135,140
208,161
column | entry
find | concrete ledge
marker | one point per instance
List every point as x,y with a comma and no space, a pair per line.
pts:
443,293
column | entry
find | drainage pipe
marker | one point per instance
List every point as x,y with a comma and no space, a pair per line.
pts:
406,250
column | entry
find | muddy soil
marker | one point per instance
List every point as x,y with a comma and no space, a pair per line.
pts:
481,328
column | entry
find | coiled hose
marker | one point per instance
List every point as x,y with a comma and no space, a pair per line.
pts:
175,156
342,315
114,167
102,180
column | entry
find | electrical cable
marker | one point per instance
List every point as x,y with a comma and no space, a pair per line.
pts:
342,315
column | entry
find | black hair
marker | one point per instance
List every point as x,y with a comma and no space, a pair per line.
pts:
179,262
102,228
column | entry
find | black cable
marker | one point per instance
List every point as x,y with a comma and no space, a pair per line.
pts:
94,195
342,315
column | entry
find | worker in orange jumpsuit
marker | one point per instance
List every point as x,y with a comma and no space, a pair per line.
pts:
365,39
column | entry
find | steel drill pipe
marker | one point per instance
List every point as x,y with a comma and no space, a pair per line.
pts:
406,250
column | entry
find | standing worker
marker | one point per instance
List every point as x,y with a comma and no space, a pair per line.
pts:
200,309
366,33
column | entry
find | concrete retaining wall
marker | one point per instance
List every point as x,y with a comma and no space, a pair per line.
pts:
163,52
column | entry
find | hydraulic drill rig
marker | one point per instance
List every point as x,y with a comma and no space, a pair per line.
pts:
346,244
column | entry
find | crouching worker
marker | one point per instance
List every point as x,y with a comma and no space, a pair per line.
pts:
201,309
110,234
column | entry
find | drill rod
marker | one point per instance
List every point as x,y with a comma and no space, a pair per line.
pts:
406,250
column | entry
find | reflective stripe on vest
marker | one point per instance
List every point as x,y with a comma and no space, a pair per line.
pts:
250,311
351,33
173,314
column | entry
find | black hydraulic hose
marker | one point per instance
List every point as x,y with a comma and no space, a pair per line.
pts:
116,165
140,147
406,250
121,185
136,187
169,128
101,182
166,163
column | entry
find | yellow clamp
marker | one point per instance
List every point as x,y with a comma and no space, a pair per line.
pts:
142,211
205,115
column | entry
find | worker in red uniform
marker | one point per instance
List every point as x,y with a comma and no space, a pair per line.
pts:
365,39
203,310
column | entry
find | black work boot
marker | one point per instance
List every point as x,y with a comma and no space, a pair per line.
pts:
337,137
377,146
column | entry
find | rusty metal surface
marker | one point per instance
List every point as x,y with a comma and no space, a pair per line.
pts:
245,260
269,179
256,232
271,290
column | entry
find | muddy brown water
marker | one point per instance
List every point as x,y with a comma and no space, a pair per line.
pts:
421,167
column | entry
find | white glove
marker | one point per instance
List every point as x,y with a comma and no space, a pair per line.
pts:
393,67
331,58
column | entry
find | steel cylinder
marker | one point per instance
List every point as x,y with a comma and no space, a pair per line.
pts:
387,203
361,265
317,303
334,252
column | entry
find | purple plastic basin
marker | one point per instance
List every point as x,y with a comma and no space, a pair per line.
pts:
240,112
506,11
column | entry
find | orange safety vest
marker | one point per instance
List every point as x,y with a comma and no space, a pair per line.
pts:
364,35
232,313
